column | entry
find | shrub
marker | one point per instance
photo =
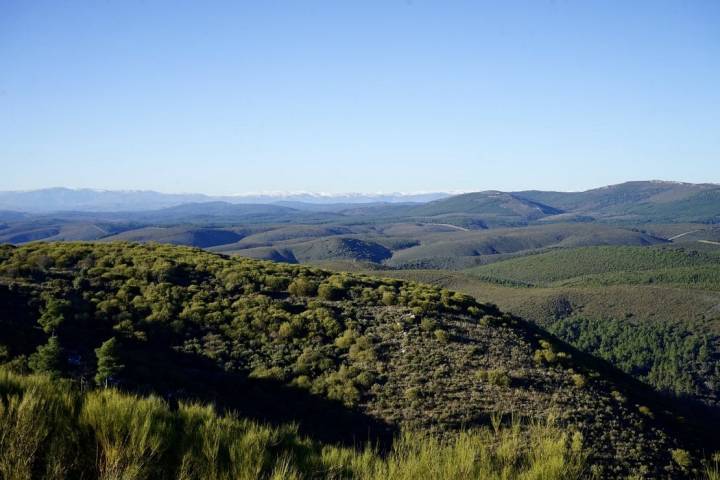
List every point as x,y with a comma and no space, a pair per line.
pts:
579,380
619,397
274,373
346,339
38,435
428,324
365,379
413,393
389,298
330,292
646,411
681,457
442,336
499,377
362,351
545,356
286,330
496,376
303,381
276,283
303,287
339,386
131,433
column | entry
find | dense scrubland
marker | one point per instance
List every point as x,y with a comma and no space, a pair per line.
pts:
318,364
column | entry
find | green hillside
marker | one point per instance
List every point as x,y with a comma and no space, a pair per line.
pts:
193,236
333,248
612,263
466,249
491,203
346,357
665,335
645,201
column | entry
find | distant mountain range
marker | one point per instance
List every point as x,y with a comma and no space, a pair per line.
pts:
408,228
89,200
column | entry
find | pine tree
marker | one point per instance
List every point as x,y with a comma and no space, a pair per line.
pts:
48,358
108,361
52,316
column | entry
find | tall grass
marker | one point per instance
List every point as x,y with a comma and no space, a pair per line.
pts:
50,430
37,428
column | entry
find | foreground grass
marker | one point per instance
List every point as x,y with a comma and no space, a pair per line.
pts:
49,429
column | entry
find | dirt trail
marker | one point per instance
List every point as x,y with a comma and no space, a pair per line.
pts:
683,234
462,229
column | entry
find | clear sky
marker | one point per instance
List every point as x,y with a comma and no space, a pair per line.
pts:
229,97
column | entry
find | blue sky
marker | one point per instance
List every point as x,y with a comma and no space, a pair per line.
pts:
337,96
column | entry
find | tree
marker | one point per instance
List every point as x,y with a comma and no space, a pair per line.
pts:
52,316
48,358
108,361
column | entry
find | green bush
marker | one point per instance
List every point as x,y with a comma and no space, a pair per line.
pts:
49,358
681,458
330,292
497,376
428,324
579,380
303,287
646,411
389,298
442,336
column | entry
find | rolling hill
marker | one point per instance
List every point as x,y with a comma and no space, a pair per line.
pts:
645,201
652,311
466,249
346,356
492,204
591,263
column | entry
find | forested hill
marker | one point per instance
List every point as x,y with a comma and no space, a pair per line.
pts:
348,357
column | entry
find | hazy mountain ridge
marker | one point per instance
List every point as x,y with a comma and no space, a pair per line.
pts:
61,199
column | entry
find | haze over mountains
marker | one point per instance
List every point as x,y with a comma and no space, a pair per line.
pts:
630,200
89,200
459,231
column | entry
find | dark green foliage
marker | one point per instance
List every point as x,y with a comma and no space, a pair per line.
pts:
53,314
48,358
108,361
608,265
666,357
